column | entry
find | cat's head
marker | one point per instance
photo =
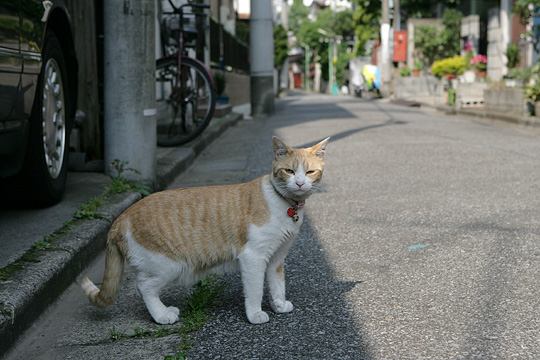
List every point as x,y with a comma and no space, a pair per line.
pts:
296,173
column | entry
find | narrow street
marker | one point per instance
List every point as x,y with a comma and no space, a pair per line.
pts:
425,244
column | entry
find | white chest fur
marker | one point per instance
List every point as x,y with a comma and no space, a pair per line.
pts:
280,229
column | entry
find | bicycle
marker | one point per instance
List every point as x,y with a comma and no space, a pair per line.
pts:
192,99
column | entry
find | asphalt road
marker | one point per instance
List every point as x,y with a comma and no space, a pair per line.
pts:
425,244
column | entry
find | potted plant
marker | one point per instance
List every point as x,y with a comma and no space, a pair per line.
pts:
405,71
219,83
469,75
512,78
512,55
449,68
533,94
479,62
417,69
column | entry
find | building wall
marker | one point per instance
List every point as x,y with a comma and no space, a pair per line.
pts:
494,50
237,87
411,25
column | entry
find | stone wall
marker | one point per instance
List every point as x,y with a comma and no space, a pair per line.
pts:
426,89
237,87
505,100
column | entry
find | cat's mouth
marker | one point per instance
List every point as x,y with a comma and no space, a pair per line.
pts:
298,191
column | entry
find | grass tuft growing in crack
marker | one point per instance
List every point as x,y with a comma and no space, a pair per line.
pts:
205,295
193,316
32,254
89,210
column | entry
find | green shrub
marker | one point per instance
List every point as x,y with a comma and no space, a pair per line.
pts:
432,44
533,91
405,71
512,54
452,66
219,82
522,74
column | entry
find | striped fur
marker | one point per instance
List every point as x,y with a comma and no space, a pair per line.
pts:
184,234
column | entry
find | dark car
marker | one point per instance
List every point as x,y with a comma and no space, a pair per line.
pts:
38,93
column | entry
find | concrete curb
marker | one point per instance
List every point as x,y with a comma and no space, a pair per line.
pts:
532,121
29,291
173,161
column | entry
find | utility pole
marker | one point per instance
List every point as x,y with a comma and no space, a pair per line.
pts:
330,67
306,66
397,15
261,55
385,47
129,87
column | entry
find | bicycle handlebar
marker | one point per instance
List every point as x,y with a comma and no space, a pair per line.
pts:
191,5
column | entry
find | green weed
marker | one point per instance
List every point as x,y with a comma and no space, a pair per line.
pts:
89,210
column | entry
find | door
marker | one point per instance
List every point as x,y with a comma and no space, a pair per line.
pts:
10,62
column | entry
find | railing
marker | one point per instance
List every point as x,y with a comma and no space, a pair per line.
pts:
235,52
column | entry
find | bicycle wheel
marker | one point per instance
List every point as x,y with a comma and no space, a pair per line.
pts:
187,108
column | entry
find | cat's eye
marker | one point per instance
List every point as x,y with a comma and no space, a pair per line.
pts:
289,171
310,172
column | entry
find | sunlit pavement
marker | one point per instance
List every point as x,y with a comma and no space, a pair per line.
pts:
425,244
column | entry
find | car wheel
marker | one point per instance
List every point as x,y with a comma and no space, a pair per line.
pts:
48,146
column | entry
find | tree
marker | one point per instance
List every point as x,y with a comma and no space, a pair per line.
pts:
280,48
280,45
522,8
434,44
298,14
366,17
424,8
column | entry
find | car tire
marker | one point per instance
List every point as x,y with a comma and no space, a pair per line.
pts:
45,169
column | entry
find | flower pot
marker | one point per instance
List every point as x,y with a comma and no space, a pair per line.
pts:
416,72
530,108
481,74
469,76
537,108
510,82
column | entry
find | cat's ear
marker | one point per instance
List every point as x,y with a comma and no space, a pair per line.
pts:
320,148
280,148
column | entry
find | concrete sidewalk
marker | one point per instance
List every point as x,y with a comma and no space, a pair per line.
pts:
42,270
424,245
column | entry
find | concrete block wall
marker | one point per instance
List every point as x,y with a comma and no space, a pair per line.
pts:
418,88
505,100
237,87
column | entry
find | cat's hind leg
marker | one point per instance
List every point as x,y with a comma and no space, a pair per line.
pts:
149,287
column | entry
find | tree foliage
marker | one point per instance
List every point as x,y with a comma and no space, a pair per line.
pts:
366,20
298,14
433,44
522,9
280,45
424,8
335,25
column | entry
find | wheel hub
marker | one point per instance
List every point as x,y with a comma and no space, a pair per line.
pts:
53,118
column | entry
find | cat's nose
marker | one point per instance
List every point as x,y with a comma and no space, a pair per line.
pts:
299,183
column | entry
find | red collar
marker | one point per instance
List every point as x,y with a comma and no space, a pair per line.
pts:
292,212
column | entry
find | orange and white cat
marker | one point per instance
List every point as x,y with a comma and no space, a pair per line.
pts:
186,234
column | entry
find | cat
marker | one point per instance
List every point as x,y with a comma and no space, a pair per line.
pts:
186,234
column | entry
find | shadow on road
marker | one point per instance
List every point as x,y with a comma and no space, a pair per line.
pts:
320,327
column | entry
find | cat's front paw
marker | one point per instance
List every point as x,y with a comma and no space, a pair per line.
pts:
168,316
258,317
282,306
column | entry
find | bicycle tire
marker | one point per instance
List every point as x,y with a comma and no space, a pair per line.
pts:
169,64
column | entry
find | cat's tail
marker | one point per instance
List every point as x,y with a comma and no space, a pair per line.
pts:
114,266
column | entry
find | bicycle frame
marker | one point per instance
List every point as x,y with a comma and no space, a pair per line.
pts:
179,11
